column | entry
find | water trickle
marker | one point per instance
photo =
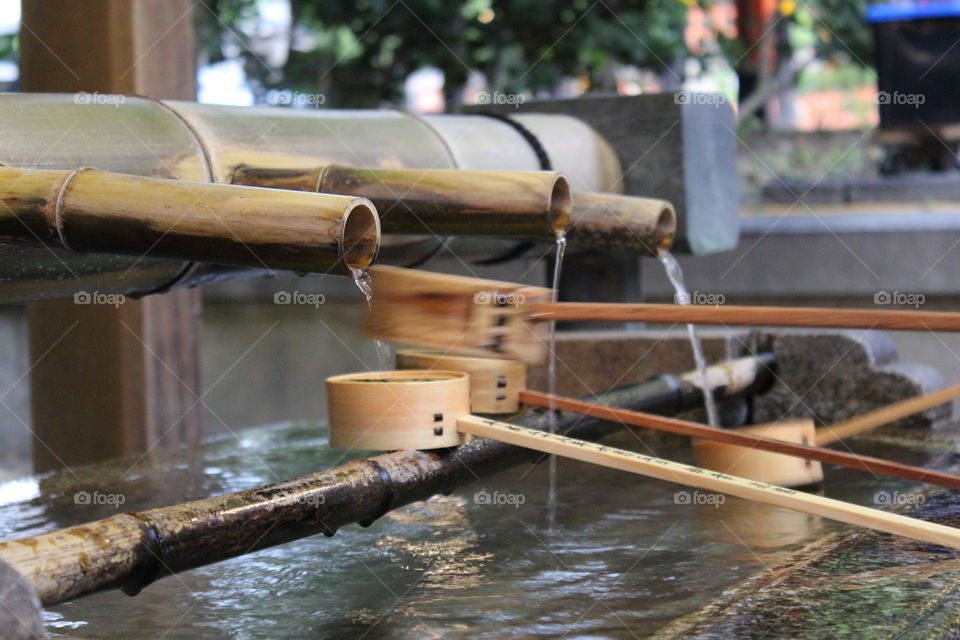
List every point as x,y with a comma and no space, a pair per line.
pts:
364,282
552,381
675,274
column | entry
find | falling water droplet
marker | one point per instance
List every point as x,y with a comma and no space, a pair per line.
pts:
675,275
364,282
552,381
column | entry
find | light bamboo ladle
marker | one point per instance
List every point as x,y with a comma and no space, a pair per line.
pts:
748,442
397,408
472,316
497,386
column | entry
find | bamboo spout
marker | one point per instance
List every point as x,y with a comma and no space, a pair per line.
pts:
621,224
503,204
88,210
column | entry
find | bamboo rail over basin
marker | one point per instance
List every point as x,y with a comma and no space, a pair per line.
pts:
88,210
503,204
129,551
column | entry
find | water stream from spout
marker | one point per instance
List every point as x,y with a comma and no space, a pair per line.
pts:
552,382
675,274
364,282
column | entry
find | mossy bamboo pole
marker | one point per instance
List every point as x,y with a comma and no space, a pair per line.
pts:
501,204
620,224
131,550
88,210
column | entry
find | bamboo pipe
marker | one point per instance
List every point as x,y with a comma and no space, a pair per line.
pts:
712,481
502,204
621,224
694,430
885,415
88,210
749,316
129,551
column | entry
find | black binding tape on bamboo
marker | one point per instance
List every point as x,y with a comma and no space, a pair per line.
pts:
150,569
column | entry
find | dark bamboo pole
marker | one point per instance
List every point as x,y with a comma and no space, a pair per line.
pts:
749,316
131,550
694,430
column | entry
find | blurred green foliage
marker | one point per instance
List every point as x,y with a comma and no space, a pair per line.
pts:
363,50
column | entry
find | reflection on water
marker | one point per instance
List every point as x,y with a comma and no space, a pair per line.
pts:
625,556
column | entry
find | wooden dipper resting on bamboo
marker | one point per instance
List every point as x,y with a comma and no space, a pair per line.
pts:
88,210
501,319
418,400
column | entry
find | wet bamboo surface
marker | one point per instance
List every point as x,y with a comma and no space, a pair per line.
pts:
694,430
129,551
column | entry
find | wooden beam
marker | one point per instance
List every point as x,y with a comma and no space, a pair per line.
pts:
112,380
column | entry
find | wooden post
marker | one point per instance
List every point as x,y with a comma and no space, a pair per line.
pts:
112,380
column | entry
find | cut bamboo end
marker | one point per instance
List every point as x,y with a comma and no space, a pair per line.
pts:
88,210
391,410
621,224
764,466
359,235
457,314
495,384
503,204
